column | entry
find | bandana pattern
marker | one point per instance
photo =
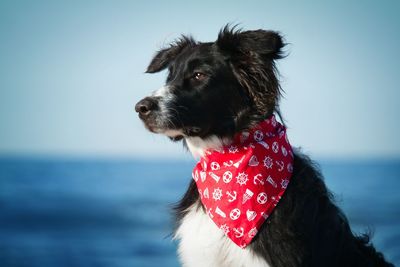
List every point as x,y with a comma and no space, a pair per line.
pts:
240,184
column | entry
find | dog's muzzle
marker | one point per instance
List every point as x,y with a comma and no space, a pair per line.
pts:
152,112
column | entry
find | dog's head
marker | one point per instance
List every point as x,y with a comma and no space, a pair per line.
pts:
216,88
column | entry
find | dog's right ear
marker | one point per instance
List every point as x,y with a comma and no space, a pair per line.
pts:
164,57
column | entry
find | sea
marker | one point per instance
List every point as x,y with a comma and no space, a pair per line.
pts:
72,212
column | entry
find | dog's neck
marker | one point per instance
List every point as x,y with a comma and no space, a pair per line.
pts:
197,145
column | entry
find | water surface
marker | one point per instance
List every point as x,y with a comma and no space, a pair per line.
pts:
116,213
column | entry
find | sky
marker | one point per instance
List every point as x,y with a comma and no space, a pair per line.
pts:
72,71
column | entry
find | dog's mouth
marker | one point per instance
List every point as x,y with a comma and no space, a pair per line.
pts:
174,135
160,125
176,138
179,134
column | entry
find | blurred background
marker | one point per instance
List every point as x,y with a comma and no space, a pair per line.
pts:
82,183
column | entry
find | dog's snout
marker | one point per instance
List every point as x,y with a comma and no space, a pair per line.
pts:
145,106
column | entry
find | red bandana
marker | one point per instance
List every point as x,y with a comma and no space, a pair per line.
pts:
241,184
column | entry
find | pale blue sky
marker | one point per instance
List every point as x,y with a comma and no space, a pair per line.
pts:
71,72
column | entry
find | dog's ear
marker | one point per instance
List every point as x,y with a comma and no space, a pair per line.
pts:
267,44
163,57
252,55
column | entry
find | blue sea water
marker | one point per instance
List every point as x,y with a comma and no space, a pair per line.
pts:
116,213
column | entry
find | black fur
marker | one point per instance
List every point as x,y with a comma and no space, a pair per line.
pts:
238,88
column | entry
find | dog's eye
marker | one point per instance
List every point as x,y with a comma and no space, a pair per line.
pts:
199,76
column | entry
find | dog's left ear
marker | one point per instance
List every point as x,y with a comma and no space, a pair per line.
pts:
164,57
267,44
252,55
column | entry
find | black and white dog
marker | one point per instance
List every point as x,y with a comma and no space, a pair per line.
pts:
213,91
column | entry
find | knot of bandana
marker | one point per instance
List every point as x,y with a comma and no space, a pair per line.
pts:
241,184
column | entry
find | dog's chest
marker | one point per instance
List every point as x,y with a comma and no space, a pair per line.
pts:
201,243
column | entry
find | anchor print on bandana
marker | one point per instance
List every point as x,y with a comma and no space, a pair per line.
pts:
240,184
284,183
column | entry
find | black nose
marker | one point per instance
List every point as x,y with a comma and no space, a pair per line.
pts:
145,106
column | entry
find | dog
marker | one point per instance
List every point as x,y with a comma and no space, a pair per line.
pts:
214,92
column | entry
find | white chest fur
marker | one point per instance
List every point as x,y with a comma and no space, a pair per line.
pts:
202,244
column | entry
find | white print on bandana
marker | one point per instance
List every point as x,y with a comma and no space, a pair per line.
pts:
214,176
253,161
247,195
268,162
290,168
214,166
237,164
220,212
275,147
281,133
239,232
217,194
228,163
203,176
284,151
271,181
235,214
252,233
227,177
284,183
242,178
205,193
204,166
251,215
280,165
258,136
209,213
225,229
233,149
195,176
231,196
276,200
258,179
262,198
265,145
264,215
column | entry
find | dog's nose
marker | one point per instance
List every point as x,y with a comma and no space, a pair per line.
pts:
145,106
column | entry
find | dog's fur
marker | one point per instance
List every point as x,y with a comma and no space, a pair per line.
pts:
220,88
